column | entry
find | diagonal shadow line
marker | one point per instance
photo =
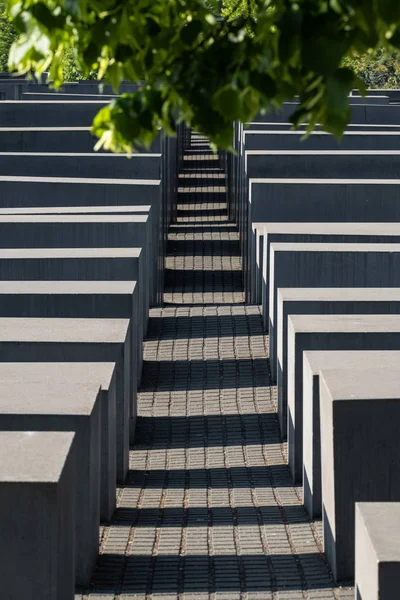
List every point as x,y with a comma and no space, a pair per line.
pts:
222,516
214,281
174,432
175,375
219,477
208,326
229,248
227,573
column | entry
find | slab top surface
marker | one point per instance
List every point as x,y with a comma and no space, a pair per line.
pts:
25,456
59,372
351,359
63,330
81,180
65,253
332,228
339,294
70,218
38,210
344,323
48,398
331,247
382,522
67,287
381,383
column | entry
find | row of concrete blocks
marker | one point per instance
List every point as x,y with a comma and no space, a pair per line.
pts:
83,259
331,301
273,151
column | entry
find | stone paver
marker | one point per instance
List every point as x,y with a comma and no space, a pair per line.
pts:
208,511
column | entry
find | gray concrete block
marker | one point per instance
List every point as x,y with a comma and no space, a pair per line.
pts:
377,550
319,301
313,363
18,191
78,299
37,500
328,332
361,113
324,200
77,264
77,408
78,340
77,210
329,265
345,164
100,374
102,165
360,445
273,139
51,113
87,231
263,234
53,139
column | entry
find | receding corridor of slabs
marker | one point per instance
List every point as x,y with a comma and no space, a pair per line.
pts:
208,510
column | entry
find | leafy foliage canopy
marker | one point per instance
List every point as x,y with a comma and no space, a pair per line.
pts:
191,64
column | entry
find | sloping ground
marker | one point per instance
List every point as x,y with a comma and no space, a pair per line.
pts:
209,510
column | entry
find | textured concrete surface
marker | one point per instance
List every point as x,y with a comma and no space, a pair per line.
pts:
208,510
358,416
377,550
37,495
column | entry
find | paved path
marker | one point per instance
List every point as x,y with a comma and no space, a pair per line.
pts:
208,511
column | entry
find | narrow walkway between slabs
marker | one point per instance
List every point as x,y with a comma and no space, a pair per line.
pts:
208,511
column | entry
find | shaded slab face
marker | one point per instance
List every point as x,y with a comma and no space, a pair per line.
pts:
377,550
77,408
329,265
336,332
270,233
37,495
358,415
320,301
53,139
359,164
30,191
89,164
79,340
313,363
100,374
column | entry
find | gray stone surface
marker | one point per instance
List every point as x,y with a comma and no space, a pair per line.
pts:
88,231
78,340
329,265
76,210
18,191
352,164
377,550
81,164
78,299
367,139
52,139
324,301
264,234
360,445
37,496
49,113
324,200
102,374
77,264
313,363
58,407
328,332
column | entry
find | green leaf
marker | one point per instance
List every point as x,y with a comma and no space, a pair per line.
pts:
190,32
227,102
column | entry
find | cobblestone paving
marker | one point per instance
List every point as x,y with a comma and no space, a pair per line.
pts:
208,511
